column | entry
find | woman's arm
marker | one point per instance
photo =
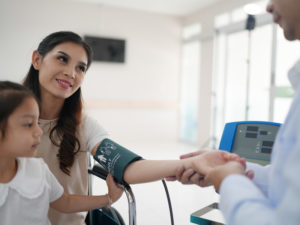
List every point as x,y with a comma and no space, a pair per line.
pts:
152,170
78,203
93,152
142,171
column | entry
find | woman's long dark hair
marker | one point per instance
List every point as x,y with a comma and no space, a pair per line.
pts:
70,115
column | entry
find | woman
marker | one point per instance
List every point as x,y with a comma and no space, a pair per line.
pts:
55,76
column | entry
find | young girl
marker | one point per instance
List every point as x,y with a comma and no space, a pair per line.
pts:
55,77
26,184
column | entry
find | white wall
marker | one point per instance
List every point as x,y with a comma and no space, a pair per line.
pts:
135,100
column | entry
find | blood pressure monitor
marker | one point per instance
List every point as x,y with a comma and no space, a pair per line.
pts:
252,140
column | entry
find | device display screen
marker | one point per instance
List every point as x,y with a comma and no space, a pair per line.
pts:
255,142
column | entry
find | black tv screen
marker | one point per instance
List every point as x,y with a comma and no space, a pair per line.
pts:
107,49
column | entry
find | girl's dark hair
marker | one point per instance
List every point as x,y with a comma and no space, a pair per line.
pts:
11,97
70,115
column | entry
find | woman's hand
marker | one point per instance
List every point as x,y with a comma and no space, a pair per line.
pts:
188,176
115,191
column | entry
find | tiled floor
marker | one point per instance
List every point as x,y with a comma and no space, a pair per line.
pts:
151,201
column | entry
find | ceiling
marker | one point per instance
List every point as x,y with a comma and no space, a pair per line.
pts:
169,7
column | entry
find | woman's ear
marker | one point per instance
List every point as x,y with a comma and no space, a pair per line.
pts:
36,59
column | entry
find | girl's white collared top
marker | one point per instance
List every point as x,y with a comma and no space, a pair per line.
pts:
26,198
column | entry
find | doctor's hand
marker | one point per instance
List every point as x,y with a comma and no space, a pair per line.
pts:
207,161
219,173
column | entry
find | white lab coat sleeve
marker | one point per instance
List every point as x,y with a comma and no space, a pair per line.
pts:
288,212
261,174
242,202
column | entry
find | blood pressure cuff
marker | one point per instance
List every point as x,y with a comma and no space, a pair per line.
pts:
115,158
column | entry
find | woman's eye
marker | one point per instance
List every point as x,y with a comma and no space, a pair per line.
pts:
82,68
62,58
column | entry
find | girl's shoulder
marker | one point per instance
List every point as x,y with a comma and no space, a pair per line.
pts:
29,181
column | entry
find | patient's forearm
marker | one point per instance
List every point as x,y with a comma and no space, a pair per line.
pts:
151,170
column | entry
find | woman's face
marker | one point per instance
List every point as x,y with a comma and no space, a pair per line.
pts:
61,70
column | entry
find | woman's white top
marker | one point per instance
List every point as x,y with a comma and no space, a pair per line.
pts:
89,134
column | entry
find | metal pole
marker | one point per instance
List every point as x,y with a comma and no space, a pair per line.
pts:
273,74
131,206
248,76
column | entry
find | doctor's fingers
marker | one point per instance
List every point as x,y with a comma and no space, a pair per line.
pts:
203,182
250,174
229,156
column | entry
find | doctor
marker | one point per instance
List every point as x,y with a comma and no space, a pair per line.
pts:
273,195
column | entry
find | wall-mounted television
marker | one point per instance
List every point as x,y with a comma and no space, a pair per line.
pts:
107,49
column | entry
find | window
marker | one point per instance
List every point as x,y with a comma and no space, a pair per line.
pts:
189,91
191,30
242,78
283,90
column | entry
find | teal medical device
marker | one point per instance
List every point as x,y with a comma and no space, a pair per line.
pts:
252,140
114,158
